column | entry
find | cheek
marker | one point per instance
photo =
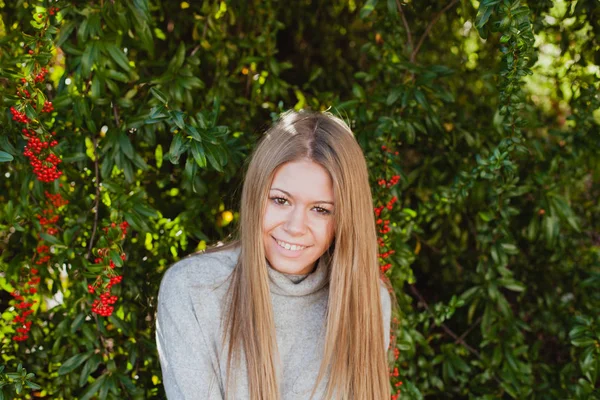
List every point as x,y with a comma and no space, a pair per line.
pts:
270,218
328,232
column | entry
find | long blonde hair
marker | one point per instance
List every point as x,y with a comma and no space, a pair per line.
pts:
354,345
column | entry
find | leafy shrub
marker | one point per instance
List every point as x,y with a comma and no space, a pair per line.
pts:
479,120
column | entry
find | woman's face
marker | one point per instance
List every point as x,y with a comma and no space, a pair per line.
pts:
298,226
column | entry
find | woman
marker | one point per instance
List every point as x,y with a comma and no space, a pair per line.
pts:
295,308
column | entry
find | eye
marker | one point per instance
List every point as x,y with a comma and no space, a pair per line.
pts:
322,210
279,200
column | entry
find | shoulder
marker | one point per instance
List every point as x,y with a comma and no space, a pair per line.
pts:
198,270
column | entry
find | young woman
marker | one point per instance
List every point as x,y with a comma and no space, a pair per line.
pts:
296,307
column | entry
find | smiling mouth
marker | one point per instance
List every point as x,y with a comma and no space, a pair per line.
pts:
289,246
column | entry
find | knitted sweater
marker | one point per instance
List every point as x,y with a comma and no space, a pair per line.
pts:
188,328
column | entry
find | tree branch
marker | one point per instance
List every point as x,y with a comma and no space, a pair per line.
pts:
449,331
414,53
96,200
465,333
116,114
406,27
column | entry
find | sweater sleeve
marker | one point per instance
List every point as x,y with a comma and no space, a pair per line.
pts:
185,359
386,307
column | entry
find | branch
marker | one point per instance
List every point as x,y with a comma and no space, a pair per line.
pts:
465,333
413,55
116,114
96,200
449,331
406,27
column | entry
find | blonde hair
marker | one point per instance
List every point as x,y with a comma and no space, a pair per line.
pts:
354,352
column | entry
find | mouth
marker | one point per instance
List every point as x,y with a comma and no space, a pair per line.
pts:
291,247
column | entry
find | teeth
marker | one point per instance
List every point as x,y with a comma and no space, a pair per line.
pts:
291,247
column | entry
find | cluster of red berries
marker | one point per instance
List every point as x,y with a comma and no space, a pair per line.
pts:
48,219
56,199
43,254
43,161
395,374
395,179
385,148
23,93
123,226
23,307
19,116
104,282
385,228
48,107
389,206
104,306
397,395
387,254
39,77
41,157
53,10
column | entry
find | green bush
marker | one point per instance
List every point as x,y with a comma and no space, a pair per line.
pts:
480,122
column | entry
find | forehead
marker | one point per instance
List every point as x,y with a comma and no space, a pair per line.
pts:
305,180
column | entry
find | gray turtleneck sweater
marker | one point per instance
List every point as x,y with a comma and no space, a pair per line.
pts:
188,328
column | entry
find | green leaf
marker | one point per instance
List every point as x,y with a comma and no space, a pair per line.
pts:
120,324
5,157
421,99
117,76
32,386
159,95
117,55
158,156
125,145
487,216
483,15
511,284
177,148
368,8
64,33
93,388
90,366
49,238
358,91
77,322
211,156
177,61
116,258
178,119
198,154
74,362
469,293
89,57
393,96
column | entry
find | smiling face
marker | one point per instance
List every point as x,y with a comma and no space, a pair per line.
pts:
298,225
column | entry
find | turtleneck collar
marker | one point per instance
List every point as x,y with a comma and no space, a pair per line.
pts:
299,285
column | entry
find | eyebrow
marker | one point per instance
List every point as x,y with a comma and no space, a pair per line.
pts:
316,202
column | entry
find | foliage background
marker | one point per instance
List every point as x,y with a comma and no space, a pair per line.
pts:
492,107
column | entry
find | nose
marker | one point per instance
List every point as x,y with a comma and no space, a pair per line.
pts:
296,222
